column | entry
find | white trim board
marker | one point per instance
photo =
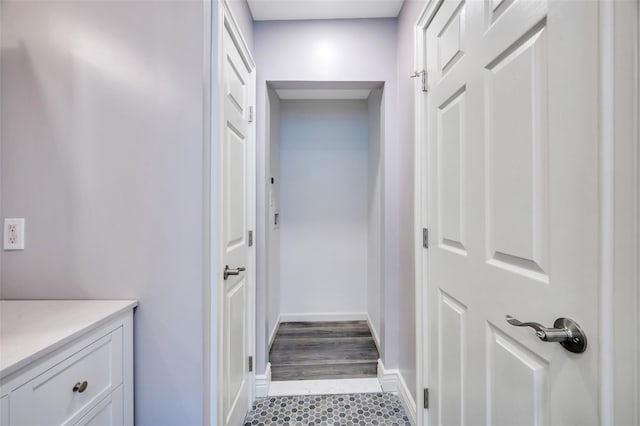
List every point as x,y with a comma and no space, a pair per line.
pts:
272,334
324,316
374,333
421,258
619,211
324,387
392,381
263,382
387,378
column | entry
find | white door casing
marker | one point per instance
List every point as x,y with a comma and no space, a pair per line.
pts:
508,181
237,218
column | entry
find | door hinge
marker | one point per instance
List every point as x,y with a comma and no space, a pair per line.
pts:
251,114
250,364
426,398
425,238
250,238
423,79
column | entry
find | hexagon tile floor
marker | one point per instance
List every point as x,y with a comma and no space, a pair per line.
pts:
328,410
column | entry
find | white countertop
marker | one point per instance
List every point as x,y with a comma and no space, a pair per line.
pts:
32,328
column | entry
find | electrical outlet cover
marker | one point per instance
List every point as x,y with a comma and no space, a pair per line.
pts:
14,234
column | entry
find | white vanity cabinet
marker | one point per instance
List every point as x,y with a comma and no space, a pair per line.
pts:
66,363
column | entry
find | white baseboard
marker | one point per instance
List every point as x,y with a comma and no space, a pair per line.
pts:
374,333
408,402
272,334
263,381
387,378
324,316
324,387
392,381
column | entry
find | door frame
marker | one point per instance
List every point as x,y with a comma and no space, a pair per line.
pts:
421,209
619,211
217,18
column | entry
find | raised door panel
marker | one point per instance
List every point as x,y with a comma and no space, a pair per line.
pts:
517,157
451,39
451,179
235,150
235,190
235,366
451,359
517,385
236,84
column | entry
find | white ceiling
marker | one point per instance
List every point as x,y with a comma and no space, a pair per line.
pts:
272,10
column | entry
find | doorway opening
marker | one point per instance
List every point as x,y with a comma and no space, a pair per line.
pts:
324,206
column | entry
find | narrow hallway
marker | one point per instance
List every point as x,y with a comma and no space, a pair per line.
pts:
327,218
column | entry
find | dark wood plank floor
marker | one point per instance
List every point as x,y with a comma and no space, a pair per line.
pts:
323,350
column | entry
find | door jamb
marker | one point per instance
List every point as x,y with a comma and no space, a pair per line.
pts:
619,211
421,219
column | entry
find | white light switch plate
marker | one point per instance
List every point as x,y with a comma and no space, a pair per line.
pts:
14,234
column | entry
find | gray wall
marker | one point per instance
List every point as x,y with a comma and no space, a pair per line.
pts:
102,136
324,208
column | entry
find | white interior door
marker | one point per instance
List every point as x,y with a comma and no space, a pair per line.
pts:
512,188
236,203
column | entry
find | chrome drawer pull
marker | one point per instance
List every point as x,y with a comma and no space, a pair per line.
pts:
80,387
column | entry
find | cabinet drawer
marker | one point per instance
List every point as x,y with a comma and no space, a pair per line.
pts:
50,399
108,412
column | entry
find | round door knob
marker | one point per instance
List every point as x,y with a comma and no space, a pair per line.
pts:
80,387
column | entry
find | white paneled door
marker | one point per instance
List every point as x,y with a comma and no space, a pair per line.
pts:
511,178
236,203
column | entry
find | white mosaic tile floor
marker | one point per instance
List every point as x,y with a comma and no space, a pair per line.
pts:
328,410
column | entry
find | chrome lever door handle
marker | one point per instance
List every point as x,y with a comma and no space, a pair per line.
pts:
566,331
543,333
228,271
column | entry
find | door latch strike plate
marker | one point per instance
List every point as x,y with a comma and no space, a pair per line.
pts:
250,238
425,238
250,364
426,398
